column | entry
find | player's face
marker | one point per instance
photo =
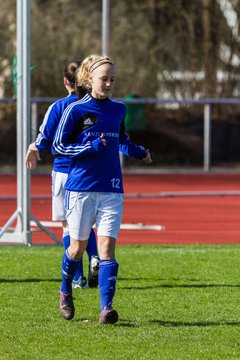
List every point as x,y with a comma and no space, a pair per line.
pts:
102,80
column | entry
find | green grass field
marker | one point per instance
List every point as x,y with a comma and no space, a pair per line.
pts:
174,302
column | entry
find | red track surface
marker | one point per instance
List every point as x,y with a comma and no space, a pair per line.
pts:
187,219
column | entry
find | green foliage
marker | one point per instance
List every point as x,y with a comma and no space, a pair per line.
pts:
160,47
174,302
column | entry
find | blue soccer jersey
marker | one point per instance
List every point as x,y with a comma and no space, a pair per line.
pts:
48,128
94,167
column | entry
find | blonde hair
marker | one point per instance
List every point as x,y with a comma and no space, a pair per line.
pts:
89,64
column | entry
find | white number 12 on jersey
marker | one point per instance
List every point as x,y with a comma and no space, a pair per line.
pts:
115,183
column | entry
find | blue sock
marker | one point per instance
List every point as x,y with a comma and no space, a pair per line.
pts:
91,251
69,267
66,243
79,271
92,245
108,270
66,239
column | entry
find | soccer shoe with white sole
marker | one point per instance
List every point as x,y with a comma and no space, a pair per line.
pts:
108,315
81,283
93,272
67,309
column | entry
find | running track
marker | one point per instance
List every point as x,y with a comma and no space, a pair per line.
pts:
193,208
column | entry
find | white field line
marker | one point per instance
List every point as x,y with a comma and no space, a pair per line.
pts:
138,226
184,194
149,195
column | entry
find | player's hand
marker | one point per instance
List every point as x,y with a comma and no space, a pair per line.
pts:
148,158
32,157
103,141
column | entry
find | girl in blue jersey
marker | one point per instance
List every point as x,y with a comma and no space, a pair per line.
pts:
61,164
90,132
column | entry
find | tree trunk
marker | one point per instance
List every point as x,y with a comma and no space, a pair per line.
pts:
209,63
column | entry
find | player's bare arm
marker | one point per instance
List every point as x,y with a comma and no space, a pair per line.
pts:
148,158
32,156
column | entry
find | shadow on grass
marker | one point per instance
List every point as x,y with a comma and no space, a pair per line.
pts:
125,323
148,287
175,286
199,285
180,283
197,323
121,323
156,278
10,281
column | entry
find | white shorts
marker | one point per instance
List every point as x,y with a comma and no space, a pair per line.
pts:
84,209
58,195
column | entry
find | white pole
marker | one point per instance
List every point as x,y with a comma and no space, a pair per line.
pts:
26,125
34,117
207,136
105,43
105,27
22,232
19,225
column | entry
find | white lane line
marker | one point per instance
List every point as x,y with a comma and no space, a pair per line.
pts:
138,226
147,195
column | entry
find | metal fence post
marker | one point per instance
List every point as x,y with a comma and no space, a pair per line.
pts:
207,137
34,122
105,27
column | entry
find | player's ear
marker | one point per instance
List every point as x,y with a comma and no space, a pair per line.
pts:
90,77
65,81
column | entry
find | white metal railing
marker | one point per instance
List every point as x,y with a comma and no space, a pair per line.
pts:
206,103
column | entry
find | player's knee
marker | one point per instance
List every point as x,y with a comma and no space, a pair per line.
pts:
77,248
106,246
64,225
